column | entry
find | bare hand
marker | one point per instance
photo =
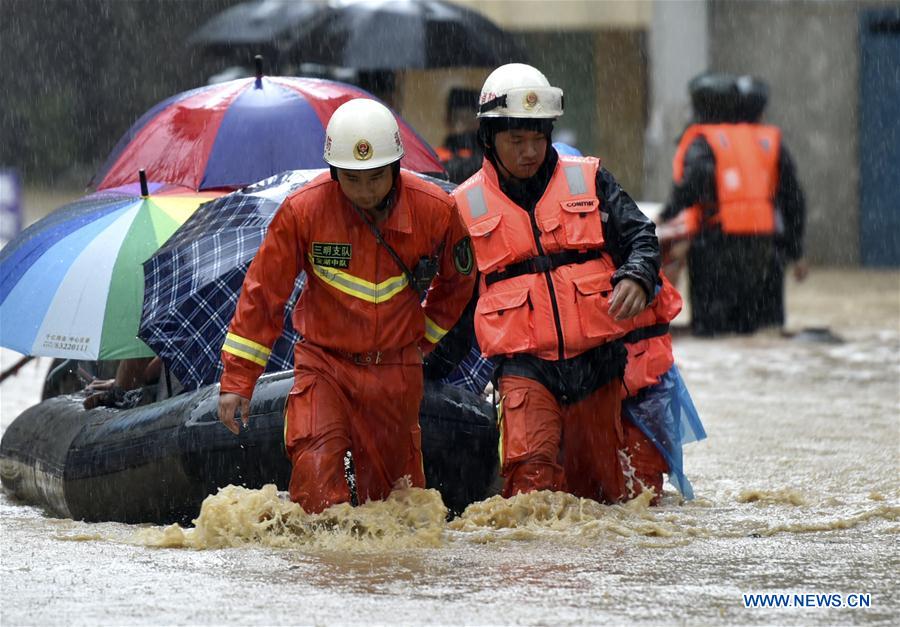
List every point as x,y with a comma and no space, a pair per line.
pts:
229,403
628,299
100,385
801,269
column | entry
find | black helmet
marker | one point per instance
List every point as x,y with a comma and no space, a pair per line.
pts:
753,95
714,97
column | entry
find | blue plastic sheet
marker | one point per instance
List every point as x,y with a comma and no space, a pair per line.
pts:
665,413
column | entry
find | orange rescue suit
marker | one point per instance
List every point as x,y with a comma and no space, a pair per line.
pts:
550,311
545,288
746,158
358,379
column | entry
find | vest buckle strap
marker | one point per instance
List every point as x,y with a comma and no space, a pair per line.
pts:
542,263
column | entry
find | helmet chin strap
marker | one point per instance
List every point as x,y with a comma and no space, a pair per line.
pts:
505,171
507,174
385,203
388,199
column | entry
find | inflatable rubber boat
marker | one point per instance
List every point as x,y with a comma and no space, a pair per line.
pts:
156,463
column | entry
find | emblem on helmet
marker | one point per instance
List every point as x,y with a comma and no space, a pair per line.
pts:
362,151
531,100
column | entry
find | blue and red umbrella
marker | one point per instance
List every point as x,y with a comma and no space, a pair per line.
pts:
232,134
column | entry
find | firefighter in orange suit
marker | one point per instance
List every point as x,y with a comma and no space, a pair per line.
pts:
743,207
567,262
358,370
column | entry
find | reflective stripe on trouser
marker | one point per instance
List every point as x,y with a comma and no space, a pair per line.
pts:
585,448
371,410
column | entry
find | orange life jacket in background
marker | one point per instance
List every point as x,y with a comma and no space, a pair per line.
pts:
746,176
444,154
550,297
650,345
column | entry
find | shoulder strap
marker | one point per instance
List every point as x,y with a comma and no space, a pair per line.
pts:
410,277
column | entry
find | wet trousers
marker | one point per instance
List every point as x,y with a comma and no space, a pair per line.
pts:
585,448
728,277
372,410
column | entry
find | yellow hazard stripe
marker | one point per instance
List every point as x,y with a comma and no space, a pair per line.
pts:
247,349
433,333
360,288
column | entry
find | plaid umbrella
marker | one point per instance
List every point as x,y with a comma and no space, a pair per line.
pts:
193,282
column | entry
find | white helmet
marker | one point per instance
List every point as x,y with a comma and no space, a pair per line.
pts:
362,134
517,90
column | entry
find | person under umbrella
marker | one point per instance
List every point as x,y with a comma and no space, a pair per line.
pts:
365,234
460,153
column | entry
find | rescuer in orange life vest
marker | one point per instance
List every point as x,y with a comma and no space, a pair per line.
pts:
567,261
362,234
743,206
460,153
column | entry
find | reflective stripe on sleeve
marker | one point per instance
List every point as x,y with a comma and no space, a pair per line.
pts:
246,349
433,333
360,288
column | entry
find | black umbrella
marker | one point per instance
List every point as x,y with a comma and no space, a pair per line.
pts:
365,34
398,34
263,25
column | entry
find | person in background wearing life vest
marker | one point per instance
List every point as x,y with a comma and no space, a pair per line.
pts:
460,153
361,233
736,185
567,261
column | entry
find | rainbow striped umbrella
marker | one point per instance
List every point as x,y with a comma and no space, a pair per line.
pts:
72,284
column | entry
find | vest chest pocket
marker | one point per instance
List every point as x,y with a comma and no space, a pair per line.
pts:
581,222
489,242
503,322
592,295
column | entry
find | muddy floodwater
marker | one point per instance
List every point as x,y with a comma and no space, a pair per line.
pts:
797,494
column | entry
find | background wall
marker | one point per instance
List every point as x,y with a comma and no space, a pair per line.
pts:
75,75
678,44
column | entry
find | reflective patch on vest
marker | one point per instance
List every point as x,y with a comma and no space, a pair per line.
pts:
463,257
332,254
731,178
765,144
477,205
575,179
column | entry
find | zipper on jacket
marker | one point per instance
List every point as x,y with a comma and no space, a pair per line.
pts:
536,234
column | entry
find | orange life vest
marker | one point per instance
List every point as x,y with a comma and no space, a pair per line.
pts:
650,345
746,176
547,297
444,154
